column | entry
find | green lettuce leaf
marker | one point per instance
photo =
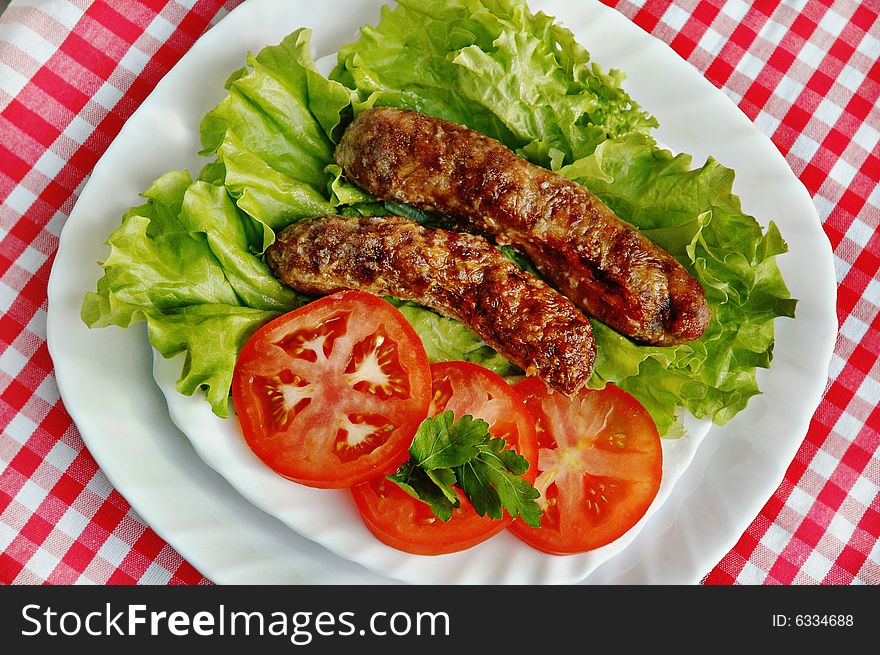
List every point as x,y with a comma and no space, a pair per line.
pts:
184,262
275,134
446,339
496,67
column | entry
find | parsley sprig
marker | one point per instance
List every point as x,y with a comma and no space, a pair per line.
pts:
448,455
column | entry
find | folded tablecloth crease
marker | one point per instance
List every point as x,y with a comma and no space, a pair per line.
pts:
806,72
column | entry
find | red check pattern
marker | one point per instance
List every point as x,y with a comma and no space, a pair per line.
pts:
807,72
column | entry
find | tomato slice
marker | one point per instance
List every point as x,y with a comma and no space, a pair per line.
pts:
405,523
599,466
332,393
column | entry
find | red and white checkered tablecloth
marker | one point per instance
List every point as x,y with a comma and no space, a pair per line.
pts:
807,72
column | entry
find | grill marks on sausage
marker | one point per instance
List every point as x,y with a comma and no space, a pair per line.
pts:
459,275
603,264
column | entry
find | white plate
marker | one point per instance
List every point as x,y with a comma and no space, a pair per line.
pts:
105,375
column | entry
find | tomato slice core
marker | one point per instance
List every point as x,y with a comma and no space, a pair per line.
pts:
405,523
600,463
332,393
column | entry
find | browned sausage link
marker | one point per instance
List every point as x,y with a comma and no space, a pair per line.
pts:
458,275
605,265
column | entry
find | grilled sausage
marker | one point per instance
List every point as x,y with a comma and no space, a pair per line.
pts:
458,275
603,264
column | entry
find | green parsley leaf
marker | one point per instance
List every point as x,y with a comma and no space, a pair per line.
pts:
424,486
448,455
443,442
492,482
